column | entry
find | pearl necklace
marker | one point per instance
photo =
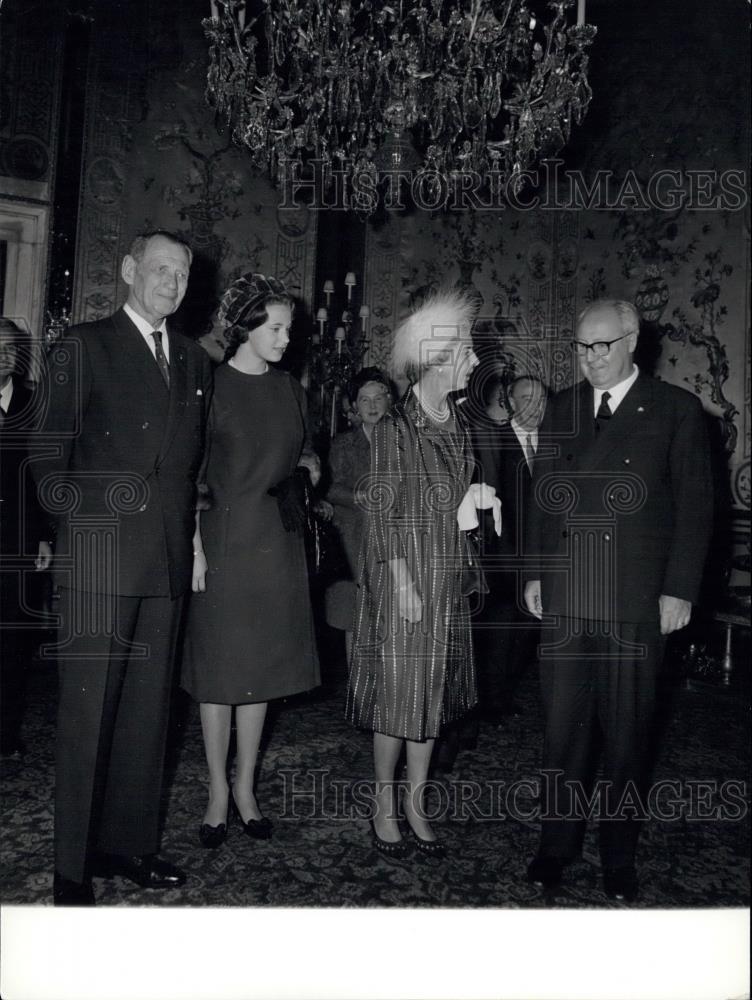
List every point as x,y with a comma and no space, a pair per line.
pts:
438,416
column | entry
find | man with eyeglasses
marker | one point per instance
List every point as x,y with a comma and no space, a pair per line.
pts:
618,533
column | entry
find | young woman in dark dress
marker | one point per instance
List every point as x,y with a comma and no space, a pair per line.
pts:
250,634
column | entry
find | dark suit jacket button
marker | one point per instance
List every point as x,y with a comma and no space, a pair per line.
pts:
570,456
565,533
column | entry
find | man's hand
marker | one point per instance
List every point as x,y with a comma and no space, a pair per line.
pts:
533,598
44,556
200,566
324,510
674,613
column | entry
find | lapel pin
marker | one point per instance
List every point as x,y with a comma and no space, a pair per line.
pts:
640,409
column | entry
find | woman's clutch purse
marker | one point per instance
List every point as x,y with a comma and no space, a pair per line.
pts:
473,578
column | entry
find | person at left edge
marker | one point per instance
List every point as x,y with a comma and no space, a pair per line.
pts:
125,421
25,550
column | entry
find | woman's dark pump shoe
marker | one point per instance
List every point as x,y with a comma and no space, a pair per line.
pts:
392,849
212,836
431,848
259,829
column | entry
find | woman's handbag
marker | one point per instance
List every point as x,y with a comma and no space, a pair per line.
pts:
473,579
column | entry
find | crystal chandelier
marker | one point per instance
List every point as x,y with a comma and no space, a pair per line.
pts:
357,86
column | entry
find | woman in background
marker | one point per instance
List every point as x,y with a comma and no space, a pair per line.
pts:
349,462
250,635
412,669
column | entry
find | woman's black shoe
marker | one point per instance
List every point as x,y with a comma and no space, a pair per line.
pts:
431,848
396,849
212,836
259,829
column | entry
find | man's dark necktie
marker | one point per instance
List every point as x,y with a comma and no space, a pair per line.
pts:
604,412
529,452
160,355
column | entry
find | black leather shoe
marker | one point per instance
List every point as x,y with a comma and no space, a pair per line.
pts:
546,872
621,883
259,829
65,892
212,836
147,870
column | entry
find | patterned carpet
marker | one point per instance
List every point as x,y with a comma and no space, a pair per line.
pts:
321,856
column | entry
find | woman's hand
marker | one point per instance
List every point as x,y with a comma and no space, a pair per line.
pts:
200,567
409,604
311,462
480,496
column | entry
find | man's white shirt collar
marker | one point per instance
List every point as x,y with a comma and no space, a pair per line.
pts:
616,394
145,328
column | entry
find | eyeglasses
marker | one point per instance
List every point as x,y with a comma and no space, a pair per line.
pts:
599,349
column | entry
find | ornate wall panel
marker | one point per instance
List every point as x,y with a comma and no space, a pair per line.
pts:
30,75
115,103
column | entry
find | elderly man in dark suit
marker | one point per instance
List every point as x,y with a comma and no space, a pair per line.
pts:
24,535
618,533
504,632
117,462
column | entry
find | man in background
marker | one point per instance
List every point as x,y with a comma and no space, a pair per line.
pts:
25,536
506,634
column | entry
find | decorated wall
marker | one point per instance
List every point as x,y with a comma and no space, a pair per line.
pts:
532,272
670,100
155,158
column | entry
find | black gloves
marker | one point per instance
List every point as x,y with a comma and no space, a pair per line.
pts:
292,495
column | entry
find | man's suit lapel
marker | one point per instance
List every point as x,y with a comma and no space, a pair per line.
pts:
178,391
630,418
135,353
578,454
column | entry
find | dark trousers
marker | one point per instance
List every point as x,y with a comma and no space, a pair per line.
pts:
505,638
20,632
112,725
596,690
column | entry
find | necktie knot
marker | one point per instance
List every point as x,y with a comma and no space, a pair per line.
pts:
604,410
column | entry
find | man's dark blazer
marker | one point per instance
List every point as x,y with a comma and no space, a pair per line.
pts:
502,465
129,449
620,516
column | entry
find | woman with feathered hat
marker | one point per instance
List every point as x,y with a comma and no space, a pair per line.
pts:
412,669
250,633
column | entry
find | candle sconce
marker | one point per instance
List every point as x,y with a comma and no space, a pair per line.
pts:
338,349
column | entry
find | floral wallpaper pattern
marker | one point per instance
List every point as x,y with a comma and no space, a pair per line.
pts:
532,272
